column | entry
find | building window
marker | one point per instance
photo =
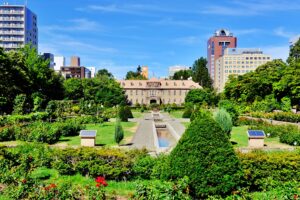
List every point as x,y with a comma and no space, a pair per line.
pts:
174,92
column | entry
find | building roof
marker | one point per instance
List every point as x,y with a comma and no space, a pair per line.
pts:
159,84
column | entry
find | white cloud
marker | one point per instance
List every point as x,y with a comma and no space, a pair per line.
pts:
280,31
239,32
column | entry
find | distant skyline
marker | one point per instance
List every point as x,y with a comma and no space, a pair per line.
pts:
120,35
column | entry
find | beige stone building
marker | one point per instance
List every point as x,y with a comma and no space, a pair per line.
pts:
158,91
237,61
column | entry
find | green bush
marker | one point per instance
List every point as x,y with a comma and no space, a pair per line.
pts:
128,112
143,167
280,116
20,104
223,118
161,169
8,134
119,133
231,109
200,113
263,170
205,154
157,190
122,114
187,113
43,132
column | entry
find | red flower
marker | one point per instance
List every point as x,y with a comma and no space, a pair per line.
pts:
24,181
49,187
100,181
296,196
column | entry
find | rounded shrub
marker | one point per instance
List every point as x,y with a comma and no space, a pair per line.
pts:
223,118
128,112
206,156
187,113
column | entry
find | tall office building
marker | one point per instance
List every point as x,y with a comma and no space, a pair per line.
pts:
59,61
237,61
92,70
18,26
216,45
75,61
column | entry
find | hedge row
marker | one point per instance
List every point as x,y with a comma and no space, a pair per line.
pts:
113,164
280,116
43,132
16,119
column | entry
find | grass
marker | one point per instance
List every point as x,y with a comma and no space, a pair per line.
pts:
176,113
105,134
137,114
240,137
186,124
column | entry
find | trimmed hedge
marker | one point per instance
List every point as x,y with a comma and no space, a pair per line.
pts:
280,116
205,154
264,170
16,119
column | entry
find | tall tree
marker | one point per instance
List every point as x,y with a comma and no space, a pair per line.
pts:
294,53
183,75
131,75
200,73
104,72
73,89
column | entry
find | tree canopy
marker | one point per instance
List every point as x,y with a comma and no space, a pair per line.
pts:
137,75
273,78
183,75
200,73
25,72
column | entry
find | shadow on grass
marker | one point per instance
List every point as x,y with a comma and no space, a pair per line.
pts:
64,140
233,143
127,144
100,145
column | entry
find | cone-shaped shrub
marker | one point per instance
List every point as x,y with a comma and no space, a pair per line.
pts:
119,133
206,156
122,114
223,118
128,112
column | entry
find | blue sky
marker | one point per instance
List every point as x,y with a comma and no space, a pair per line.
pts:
121,34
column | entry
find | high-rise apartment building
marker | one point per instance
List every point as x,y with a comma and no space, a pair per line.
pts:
75,61
59,61
92,70
216,45
18,26
237,61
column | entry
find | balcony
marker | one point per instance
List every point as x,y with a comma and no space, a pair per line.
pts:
12,39
11,25
13,19
11,32
11,12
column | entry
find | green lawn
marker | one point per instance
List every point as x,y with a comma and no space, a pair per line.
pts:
105,134
239,135
186,124
176,113
137,114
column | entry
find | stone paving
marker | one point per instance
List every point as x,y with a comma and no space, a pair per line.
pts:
144,136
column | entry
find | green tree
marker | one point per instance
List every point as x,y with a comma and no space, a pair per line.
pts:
119,133
201,96
224,120
131,75
230,108
200,73
20,104
73,89
205,154
104,72
294,55
122,114
183,75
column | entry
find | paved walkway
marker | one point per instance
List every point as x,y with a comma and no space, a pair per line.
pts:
144,136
